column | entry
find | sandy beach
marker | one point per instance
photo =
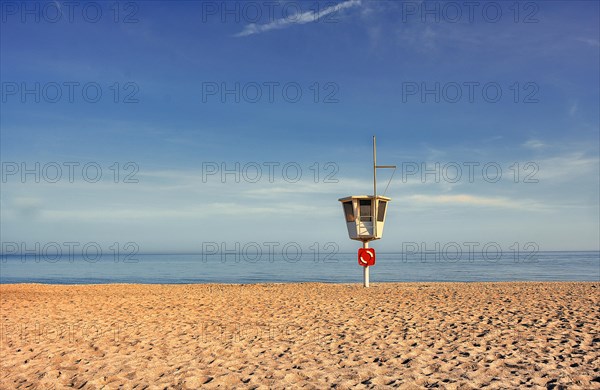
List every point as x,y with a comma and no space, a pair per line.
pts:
407,335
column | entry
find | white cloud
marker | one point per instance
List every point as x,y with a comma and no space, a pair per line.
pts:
534,144
590,41
471,200
573,108
571,166
302,18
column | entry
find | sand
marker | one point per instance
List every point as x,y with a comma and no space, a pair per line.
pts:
407,335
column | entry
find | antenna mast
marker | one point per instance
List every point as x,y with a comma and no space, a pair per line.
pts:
374,219
374,168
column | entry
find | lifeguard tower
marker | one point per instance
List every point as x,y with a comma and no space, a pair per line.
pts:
363,223
365,218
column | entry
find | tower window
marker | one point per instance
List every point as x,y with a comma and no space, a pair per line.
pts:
365,210
381,210
349,211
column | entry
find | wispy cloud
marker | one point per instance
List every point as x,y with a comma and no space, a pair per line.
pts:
302,18
472,200
208,211
590,41
575,166
534,144
573,108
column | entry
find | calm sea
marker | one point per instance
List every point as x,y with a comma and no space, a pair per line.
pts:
340,268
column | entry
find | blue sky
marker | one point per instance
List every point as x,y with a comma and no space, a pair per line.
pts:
365,59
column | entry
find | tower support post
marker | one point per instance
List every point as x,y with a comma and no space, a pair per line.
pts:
366,269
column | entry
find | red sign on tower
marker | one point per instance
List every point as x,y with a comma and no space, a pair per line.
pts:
366,257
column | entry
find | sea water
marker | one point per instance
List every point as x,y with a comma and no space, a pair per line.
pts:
341,268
